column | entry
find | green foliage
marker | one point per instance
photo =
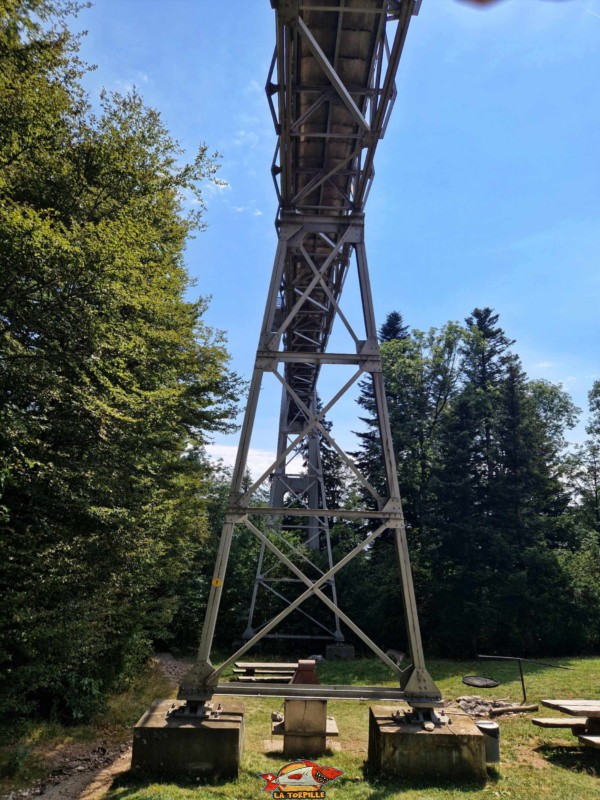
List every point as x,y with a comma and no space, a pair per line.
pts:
29,746
568,771
585,471
108,375
501,517
194,582
393,328
421,372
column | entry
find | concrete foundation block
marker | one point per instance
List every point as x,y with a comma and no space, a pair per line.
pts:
453,751
306,728
185,746
339,652
305,723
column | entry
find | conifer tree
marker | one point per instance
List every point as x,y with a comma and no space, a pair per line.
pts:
585,469
501,504
393,328
369,458
420,374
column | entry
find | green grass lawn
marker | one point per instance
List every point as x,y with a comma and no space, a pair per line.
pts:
535,763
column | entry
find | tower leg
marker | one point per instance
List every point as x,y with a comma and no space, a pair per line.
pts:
416,679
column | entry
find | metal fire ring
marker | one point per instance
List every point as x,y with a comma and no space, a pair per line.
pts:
480,682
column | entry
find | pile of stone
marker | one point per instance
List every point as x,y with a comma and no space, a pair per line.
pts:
476,706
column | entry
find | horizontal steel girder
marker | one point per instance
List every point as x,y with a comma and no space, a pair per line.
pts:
339,513
318,692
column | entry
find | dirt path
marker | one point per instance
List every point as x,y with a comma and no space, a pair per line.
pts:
86,772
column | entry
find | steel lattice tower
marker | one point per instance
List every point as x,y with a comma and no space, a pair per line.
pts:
331,89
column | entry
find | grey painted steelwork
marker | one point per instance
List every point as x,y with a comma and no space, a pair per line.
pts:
331,89
306,490
333,692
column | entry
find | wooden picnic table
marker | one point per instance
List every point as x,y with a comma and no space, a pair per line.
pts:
585,723
576,708
265,672
292,665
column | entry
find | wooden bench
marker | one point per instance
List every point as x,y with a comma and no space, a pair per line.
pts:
584,720
559,722
265,670
260,671
275,665
592,741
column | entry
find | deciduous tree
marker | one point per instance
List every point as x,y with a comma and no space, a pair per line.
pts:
108,374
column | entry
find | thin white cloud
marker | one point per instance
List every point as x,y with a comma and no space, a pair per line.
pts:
189,198
253,87
215,189
243,209
543,365
258,460
124,87
246,138
127,85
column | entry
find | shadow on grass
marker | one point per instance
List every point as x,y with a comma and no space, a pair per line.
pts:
572,757
384,786
130,783
278,755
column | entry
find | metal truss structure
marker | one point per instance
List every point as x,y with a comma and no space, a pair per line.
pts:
304,489
331,89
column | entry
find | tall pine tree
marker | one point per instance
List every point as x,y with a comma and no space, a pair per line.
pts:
501,504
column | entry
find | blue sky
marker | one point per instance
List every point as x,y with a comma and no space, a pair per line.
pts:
487,184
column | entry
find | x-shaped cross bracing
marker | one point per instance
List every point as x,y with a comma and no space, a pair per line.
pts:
313,423
313,588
